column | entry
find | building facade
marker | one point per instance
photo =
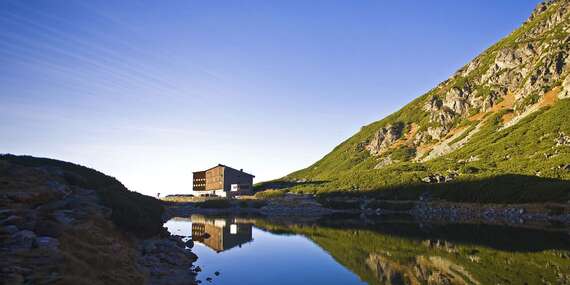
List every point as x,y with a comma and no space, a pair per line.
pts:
222,181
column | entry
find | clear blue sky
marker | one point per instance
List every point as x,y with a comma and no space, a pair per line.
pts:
148,91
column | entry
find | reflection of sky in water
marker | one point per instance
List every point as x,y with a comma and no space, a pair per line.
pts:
268,259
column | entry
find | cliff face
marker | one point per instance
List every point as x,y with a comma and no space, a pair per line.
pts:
507,104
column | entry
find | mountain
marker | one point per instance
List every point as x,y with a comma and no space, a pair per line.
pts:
503,120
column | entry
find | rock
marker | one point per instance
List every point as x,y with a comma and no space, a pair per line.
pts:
23,240
437,178
54,205
148,247
47,242
456,100
433,104
470,159
565,93
178,240
13,220
197,269
64,217
209,279
217,273
540,8
384,138
436,133
49,228
15,279
189,243
384,162
193,257
10,229
562,140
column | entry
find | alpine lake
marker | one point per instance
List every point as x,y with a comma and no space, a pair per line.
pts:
387,250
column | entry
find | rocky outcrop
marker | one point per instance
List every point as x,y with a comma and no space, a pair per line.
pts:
384,138
384,162
440,114
422,270
456,100
528,66
565,93
52,231
438,178
562,140
167,261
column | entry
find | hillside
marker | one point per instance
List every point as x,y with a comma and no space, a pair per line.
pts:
502,118
68,224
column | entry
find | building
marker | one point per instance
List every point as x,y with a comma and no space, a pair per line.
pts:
220,234
222,181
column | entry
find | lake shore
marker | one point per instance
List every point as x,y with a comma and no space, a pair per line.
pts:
308,207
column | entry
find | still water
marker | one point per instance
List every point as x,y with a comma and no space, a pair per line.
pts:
386,251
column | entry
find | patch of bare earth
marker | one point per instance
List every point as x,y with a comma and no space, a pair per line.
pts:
548,99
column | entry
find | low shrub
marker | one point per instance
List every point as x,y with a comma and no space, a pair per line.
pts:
269,194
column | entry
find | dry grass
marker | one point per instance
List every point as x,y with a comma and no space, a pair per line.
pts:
269,194
96,252
185,199
549,98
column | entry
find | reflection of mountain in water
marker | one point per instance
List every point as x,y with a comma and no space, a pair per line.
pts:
404,252
220,234
422,269
505,238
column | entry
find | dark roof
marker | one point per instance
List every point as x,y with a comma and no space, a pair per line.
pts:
219,164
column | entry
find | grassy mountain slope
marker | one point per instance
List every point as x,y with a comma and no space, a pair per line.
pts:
502,118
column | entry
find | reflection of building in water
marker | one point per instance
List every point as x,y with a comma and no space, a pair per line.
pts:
220,234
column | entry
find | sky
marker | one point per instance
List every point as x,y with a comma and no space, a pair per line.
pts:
149,91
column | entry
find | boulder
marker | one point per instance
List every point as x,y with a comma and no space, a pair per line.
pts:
49,228
562,140
438,178
64,217
9,230
23,240
47,242
13,220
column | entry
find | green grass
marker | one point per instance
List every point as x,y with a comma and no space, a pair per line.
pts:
131,211
403,153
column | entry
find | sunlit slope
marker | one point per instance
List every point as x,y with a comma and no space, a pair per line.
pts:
505,113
